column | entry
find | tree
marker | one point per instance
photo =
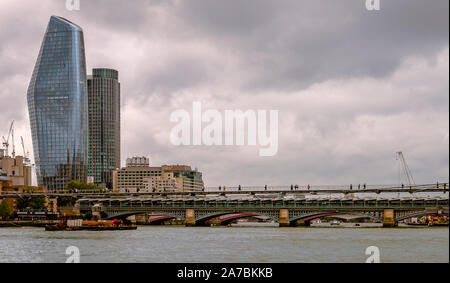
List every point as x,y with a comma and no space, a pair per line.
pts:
87,216
66,201
6,210
32,202
80,186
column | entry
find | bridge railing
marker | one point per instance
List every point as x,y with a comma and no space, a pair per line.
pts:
306,187
326,189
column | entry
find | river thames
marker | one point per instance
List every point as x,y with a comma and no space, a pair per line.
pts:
227,245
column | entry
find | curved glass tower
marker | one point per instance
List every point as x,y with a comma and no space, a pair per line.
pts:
57,105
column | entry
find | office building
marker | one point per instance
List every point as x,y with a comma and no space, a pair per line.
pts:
104,125
139,176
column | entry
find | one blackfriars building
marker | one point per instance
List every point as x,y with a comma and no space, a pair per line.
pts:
58,109
104,126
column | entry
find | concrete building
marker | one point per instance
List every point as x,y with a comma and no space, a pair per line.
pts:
139,176
179,178
17,169
5,181
7,187
15,177
104,125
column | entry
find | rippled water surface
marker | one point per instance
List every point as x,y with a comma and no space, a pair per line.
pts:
265,245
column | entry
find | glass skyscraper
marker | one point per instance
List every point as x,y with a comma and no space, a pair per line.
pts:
104,125
57,105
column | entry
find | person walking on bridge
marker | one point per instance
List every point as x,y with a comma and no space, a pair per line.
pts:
309,187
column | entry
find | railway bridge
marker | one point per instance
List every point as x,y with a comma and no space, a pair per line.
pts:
288,211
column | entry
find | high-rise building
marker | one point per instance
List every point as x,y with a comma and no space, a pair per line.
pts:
57,105
104,125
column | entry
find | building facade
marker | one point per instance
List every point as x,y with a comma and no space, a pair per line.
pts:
57,105
17,169
104,126
8,185
139,176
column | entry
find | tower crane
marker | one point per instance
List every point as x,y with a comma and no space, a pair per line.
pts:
405,168
6,141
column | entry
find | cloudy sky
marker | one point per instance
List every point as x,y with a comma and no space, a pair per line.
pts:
352,86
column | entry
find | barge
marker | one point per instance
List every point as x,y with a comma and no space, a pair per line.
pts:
79,225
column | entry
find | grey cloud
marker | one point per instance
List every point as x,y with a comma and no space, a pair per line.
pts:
330,67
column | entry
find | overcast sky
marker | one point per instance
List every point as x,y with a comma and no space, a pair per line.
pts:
352,86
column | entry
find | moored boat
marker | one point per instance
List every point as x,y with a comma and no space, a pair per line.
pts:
79,225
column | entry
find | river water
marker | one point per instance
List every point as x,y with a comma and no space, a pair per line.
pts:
227,245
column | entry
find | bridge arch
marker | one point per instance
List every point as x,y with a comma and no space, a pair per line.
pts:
160,219
164,215
316,215
202,220
423,213
230,219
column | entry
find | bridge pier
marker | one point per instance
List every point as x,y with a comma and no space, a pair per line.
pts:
190,218
302,223
389,219
284,218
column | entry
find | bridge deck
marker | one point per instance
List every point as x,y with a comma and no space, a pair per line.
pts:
326,190
275,203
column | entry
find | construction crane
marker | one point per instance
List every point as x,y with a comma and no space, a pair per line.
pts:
25,153
405,168
6,141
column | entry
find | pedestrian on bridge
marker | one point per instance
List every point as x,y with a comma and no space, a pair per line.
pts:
309,187
351,187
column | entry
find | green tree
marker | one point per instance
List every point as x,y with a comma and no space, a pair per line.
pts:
6,210
32,202
80,186
87,216
66,201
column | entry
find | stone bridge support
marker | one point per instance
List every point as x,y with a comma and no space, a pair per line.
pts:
284,218
303,223
190,218
389,219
